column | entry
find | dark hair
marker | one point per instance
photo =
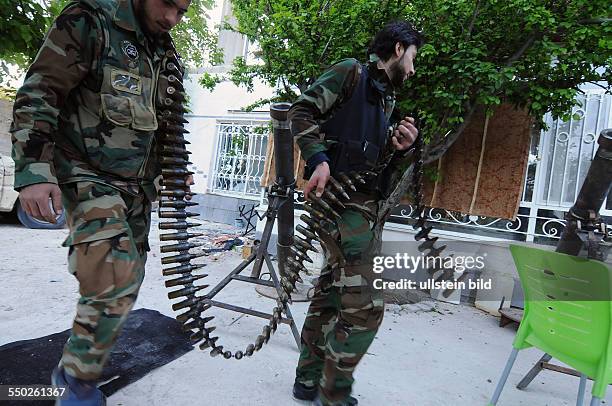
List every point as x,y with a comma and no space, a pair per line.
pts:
400,31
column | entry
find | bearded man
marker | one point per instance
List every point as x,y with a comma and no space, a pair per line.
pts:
84,141
342,125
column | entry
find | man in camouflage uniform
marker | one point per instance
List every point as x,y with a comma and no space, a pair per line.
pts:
342,123
84,129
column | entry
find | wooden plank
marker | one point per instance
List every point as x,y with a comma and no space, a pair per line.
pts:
509,315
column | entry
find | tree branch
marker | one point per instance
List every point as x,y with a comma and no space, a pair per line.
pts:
286,87
323,7
599,20
434,152
387,205
522,50
607,89
269,8
444,119
325,49
474,15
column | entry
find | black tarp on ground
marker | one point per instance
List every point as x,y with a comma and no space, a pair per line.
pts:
148,340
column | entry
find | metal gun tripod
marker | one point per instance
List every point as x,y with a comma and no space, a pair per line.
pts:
280,195
277,197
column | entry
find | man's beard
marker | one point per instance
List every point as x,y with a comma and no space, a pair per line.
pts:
141,16
398,73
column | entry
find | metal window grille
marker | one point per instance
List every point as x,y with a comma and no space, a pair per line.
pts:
240,157
568,147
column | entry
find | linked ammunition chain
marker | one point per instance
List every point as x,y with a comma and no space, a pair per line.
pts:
174,215
320,224
428,245
321,211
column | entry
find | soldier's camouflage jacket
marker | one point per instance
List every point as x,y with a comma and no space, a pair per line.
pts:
325,97
86,110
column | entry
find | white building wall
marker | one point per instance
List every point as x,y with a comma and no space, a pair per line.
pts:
226,101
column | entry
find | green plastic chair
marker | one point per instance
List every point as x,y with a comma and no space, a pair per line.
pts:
568,315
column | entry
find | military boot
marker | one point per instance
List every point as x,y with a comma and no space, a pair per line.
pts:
78,392
304,392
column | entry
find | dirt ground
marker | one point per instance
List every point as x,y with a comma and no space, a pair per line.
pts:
429,354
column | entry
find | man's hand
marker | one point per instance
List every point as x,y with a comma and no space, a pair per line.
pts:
405,134
35,201
318,180
189,181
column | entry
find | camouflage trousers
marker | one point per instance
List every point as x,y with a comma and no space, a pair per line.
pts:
344,315
107,254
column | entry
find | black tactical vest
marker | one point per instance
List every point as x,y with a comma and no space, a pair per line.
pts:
357,132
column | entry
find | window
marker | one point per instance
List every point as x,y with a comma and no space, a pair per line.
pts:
240,157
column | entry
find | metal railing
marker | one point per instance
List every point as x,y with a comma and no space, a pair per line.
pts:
559,159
